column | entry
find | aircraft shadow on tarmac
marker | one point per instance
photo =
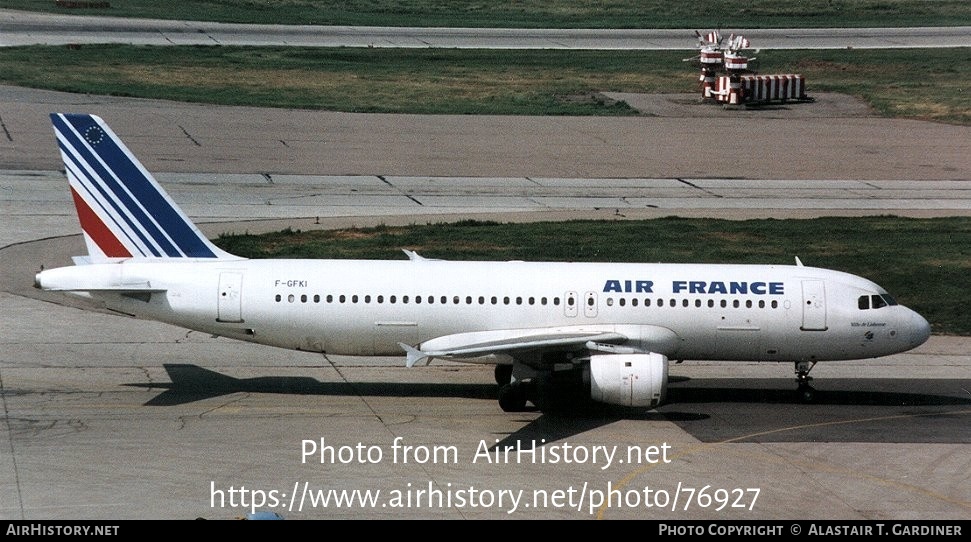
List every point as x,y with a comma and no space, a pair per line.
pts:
192,383
711,410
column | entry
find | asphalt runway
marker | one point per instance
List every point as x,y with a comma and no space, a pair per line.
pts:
105,417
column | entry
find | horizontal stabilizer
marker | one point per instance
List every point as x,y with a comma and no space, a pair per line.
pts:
93,278
120,289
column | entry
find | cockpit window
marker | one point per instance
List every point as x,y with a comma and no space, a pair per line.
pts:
875,301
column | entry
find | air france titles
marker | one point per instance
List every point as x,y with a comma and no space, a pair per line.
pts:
697,287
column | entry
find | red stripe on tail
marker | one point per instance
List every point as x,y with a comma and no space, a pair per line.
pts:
96,230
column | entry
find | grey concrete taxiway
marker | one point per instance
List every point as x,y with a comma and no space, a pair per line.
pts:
105,417
28,28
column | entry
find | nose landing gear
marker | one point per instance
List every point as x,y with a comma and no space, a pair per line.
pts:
807,393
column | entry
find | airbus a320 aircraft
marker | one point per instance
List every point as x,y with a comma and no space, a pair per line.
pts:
611,327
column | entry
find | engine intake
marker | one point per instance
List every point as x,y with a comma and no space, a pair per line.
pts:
634,380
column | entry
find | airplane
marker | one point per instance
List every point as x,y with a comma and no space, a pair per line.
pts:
608,329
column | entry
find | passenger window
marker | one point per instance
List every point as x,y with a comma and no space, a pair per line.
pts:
610,302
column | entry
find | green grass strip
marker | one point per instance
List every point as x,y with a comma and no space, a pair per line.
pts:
926,84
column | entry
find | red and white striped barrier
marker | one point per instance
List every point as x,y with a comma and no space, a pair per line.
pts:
711,56
729,92
735,62
708,83
738,85
761,88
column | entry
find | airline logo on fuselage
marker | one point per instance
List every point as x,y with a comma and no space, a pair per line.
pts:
630,286
697,287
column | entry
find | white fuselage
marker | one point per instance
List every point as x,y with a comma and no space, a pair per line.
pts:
360,307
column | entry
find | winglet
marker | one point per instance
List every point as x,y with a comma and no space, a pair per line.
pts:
413,354
413,256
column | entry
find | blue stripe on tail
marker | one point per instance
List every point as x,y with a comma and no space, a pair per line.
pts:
136,205
112,209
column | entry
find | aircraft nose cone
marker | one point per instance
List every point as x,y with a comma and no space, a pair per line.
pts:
920,330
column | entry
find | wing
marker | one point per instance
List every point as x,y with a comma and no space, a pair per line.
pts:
513,342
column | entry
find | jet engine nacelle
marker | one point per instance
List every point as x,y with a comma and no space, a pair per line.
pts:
635,380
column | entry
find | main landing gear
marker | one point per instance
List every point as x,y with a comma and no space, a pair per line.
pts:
546,382
512,395
503,374
807,393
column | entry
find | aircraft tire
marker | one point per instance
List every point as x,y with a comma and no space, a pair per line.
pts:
512,398
503,374
807,394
